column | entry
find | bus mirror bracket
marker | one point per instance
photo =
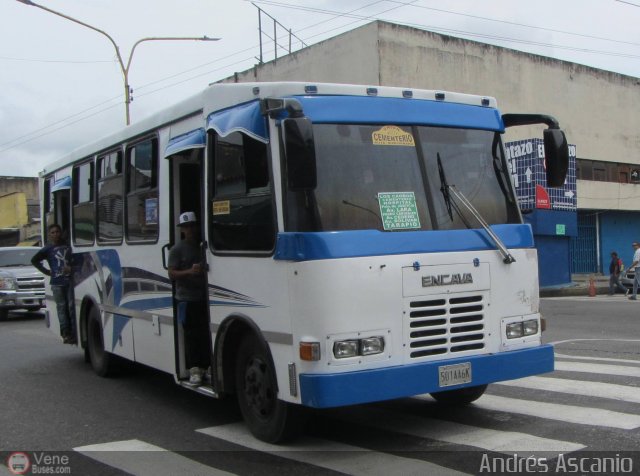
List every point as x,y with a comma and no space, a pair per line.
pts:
556,149
274,107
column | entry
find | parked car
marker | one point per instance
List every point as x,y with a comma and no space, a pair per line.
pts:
21,284
628,275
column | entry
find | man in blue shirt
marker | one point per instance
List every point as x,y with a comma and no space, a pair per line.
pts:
58,255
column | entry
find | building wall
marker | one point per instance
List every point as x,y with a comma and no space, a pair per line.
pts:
26,185
19,209
617,232
13,210
351,57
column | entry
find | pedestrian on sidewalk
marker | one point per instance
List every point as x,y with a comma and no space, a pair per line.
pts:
614,275
636,268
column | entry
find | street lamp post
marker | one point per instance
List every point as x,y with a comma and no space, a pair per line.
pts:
123,68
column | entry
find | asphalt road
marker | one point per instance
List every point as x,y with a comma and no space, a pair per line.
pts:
53,405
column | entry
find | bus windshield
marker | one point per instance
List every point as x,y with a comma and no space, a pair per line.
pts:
386,177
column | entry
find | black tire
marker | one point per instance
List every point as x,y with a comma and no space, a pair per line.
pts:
101,360
4,314
268,418
459,397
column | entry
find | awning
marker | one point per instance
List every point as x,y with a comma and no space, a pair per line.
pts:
245,118
63,183
190,140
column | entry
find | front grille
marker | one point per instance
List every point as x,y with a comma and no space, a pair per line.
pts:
35,284
449,325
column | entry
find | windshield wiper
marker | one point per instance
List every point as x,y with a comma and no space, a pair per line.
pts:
446,188
346,202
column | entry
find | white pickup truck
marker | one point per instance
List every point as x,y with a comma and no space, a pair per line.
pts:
21,285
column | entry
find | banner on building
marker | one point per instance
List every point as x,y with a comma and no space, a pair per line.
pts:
527,167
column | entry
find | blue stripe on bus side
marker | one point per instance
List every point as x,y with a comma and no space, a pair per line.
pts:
350,388
354,243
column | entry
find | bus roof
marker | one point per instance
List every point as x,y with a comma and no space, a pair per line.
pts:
220,96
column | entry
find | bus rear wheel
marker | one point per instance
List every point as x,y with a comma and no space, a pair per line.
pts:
101,360
268,418
459,397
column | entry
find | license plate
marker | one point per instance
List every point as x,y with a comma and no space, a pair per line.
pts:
456,374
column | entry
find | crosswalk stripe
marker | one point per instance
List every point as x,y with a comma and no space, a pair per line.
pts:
578,387
508,442
139,457
560,412
605,369
595,359
357,461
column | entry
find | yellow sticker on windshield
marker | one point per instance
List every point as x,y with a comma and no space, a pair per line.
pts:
392,135
222,207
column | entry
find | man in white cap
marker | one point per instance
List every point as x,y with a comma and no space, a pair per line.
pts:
185,268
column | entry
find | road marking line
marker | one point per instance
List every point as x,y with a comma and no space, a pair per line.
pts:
508,442
605,369
344,458
560,412
139,457
577,387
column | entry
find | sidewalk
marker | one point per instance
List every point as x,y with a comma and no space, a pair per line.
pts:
579,286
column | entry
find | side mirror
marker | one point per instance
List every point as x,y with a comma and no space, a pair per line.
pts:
300,154
556,153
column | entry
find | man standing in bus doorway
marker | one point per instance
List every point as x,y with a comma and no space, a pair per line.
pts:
186,269
636,267
57,254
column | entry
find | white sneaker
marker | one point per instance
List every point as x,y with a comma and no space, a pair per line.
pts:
195,376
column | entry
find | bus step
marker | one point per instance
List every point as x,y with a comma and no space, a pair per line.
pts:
203,389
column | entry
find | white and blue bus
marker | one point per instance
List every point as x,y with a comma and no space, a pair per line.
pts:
361,243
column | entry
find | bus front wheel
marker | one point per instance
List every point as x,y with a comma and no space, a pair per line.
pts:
461,396
101,360
268,418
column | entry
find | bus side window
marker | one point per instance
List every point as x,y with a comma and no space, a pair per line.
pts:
110,202
142,191
241,197
83,214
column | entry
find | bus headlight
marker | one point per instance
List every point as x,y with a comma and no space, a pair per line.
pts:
530,327
345,349
522,329
372,345
354,347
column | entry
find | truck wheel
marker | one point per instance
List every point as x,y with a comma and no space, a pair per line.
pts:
459,397
268,418
101,360
4,314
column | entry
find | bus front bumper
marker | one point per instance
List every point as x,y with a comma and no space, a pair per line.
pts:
350,388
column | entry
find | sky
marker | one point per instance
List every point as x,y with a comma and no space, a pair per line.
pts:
62,86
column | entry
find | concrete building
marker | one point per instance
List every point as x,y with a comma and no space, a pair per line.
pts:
597,109
19,210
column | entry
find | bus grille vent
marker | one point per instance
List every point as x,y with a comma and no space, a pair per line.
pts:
446,326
